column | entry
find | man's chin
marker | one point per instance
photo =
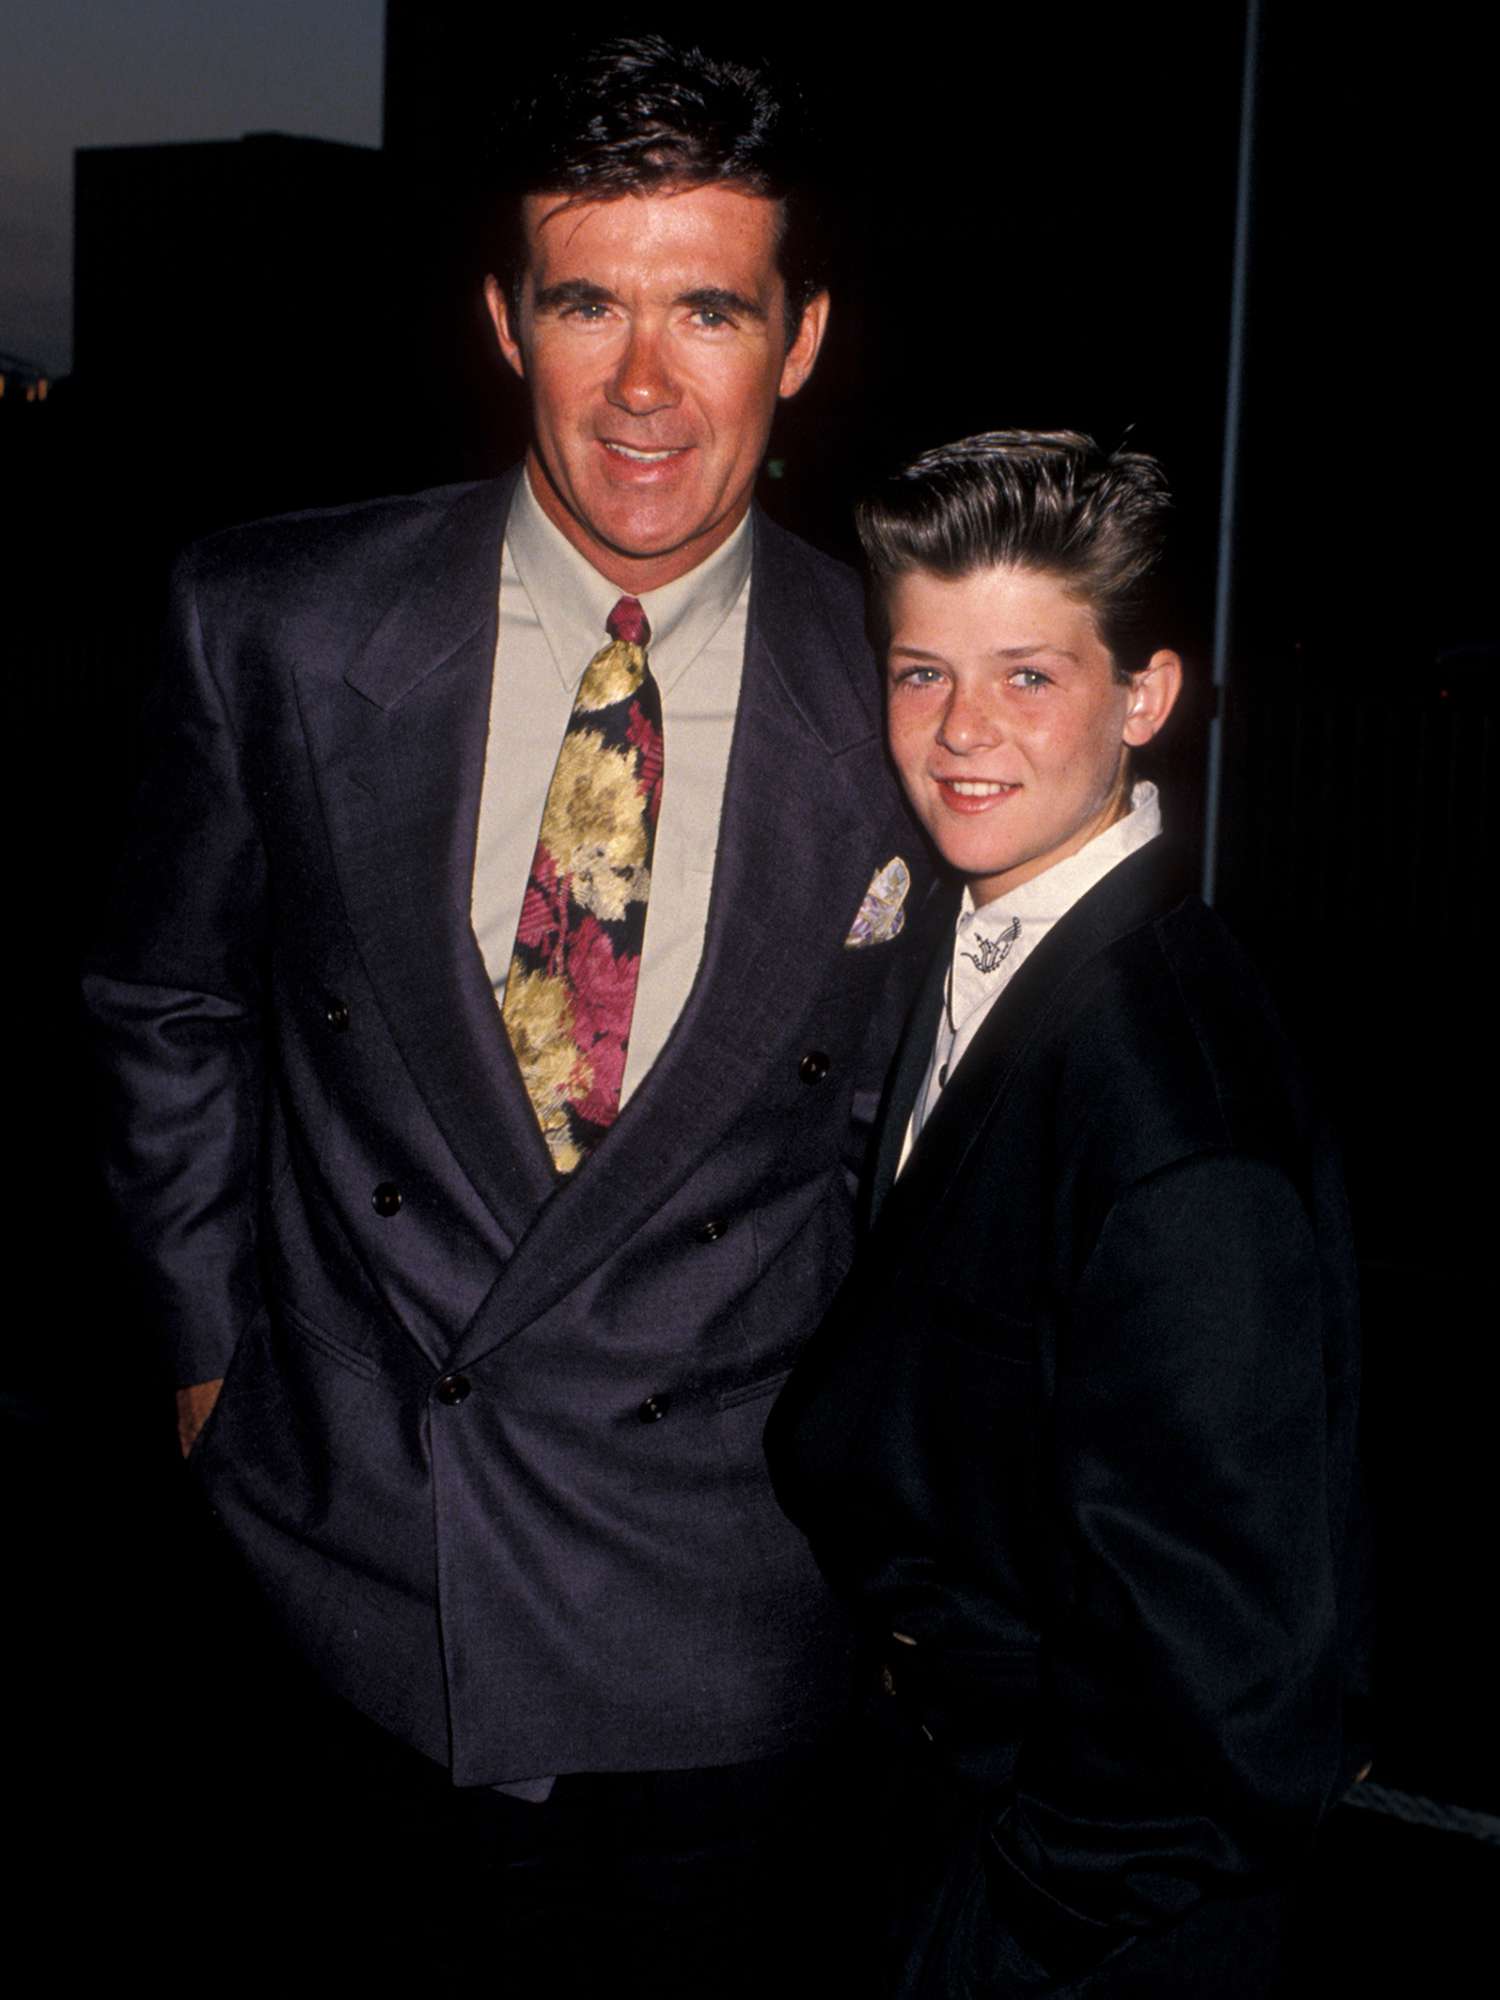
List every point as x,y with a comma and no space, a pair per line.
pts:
642,535
648,542
605,530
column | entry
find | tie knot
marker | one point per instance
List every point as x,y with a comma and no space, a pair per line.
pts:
629,623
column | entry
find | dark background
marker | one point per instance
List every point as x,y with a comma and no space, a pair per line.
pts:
1036,218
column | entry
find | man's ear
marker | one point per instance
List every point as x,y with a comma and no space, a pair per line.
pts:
803,351
1153,692
499,311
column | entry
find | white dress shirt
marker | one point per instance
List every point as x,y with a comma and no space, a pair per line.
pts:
553,607
991,944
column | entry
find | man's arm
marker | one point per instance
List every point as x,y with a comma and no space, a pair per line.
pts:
1186,1734
174,987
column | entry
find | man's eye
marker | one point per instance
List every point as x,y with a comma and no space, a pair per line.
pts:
707,317
590,311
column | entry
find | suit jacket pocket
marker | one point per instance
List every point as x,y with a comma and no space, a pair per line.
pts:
347,1356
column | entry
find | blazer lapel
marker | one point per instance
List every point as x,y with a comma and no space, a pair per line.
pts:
792,865
1140,888
402,785
912,1058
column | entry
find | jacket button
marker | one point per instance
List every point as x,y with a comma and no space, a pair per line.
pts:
653,1410
336,1014
710,1231
386,1198
813,1066
452,1389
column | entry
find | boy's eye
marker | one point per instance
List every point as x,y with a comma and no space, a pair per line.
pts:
918,677
1030,677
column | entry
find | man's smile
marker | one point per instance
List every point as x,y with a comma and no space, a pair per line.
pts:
639,455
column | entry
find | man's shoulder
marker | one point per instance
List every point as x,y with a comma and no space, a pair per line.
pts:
319,552
788,556
809,608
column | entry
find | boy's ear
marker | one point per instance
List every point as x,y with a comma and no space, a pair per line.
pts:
1153,695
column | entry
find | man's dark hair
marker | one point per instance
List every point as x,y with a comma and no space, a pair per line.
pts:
1040,500
637,114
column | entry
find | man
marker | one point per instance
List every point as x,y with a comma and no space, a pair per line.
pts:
479,1313
1078,1435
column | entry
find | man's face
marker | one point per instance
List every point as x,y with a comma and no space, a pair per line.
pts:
1006,722
652,339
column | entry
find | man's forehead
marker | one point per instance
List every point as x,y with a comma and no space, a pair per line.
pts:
702,219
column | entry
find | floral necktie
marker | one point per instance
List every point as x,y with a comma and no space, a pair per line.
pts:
570,992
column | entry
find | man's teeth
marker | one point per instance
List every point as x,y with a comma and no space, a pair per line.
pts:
976,788
645,457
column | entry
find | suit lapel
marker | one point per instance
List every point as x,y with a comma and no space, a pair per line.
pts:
912,1058
1140,888
402,785
793,861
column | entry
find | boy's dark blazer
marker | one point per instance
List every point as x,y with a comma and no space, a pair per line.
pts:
492,1447
1081,1425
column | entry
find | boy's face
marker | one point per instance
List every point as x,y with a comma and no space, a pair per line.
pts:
1006,722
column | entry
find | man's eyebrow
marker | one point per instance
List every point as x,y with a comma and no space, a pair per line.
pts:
573,292
714,298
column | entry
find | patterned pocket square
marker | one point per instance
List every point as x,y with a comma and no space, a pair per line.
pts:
881,916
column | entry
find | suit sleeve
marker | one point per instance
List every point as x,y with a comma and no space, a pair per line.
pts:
1186,1733
174,993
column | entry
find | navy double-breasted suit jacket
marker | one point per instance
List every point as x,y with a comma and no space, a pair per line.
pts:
1081,1426
491,1445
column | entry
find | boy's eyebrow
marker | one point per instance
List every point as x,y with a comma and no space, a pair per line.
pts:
995,652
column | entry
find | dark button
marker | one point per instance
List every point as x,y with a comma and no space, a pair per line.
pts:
386,1198
653,1410
813,1066
337,1015
452,1389
710,1231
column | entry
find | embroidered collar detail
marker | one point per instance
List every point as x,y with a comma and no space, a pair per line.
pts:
993,951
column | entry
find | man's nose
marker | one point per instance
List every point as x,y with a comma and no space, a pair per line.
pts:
643,381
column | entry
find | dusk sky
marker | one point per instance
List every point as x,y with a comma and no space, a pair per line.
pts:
136,72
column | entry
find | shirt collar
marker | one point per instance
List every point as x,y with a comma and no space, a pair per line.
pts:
572,600
1050,895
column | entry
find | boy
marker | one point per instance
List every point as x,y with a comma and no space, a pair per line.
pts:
1078,1432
